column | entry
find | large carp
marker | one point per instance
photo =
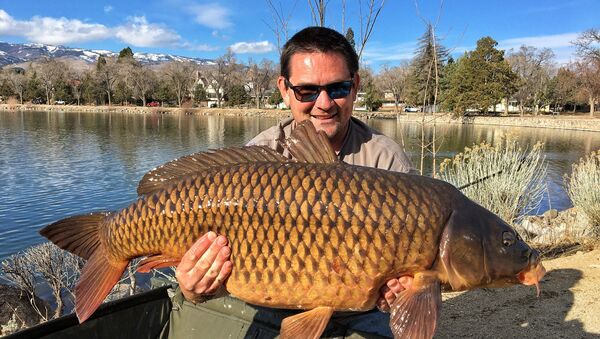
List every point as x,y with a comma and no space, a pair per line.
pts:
310,233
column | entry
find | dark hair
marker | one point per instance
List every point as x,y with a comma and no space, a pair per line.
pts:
318,39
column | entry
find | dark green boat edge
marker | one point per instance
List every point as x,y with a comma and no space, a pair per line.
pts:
145,315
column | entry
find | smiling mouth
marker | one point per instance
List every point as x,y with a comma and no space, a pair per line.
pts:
324,117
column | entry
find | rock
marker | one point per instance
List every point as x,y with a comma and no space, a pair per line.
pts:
16,312
551,214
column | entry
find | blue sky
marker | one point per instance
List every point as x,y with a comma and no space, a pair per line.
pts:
205,29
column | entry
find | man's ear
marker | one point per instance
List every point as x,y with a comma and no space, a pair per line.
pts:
283,90
356,86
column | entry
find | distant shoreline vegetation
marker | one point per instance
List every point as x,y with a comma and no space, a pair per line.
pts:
566,122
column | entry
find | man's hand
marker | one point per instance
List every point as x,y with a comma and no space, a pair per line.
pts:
391,290
204,267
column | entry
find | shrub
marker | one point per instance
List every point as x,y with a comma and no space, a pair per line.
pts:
506,179
583,188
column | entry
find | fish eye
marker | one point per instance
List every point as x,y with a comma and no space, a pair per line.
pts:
508,238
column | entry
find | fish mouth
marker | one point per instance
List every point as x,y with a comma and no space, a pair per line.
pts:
532,274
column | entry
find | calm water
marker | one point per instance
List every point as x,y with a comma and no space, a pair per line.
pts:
54,165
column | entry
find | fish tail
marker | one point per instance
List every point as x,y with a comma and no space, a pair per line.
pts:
80,236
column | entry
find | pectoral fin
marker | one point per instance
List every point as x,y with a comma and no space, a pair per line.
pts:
306,325
415,311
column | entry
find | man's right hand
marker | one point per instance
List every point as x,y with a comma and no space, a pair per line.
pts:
204,267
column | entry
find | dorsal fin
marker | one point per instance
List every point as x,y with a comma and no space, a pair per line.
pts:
194,163
305,144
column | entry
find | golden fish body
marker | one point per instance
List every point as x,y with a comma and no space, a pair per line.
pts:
301,235
310,233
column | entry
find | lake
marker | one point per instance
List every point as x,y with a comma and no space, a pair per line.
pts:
53,165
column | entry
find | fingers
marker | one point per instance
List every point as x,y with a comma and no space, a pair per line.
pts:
390,291
190,258
205,266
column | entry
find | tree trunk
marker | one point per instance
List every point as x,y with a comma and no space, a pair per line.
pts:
144,100
592,104
109,102
506,107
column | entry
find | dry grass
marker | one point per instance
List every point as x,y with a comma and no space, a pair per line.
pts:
583,187
515,177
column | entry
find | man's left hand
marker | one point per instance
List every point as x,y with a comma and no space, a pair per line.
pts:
391,290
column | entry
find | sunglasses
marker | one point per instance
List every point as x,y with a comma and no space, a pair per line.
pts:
310,93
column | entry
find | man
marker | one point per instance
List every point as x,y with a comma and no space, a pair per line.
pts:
319,80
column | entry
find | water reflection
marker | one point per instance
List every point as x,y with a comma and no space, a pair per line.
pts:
53,165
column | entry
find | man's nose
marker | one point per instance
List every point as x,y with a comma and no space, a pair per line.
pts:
324,101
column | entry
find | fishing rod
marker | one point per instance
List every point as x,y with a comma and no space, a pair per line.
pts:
489,176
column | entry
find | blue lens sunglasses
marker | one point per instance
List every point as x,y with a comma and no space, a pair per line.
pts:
310,93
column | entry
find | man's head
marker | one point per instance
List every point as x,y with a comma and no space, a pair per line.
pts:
319,79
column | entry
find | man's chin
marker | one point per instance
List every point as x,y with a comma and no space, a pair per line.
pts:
330,127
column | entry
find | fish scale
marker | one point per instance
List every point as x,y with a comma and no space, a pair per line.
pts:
323,239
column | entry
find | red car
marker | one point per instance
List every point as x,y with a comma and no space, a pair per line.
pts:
153,104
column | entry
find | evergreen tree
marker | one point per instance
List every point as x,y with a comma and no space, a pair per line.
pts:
372,99
126,57
350,37
34,89
426,65
275,98
200,94
481,79
236,95
100,63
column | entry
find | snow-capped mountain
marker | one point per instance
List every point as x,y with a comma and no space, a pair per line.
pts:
18,53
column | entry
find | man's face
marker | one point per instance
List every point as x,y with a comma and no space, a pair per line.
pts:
327,114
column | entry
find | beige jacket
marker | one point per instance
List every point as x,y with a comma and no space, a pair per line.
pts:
363,146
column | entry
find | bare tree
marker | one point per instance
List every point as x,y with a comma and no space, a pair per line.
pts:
59,270
534,70
394,80
181,76
49,72
17,81
367,22
76,82
280,21
317,11
221,75
588,44
588,76
107,72
141,80
260,77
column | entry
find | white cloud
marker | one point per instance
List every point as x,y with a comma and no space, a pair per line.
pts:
60,31
560,44
252,47
8,25
212,15
52,31
108,8
138,32
549,41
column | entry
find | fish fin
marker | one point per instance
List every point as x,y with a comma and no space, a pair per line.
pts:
177,169
305,144
157,261
415,311
309,324
98,277
77,234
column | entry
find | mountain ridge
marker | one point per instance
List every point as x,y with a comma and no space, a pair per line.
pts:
13,53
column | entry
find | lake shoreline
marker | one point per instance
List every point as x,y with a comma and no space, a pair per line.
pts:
565,122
